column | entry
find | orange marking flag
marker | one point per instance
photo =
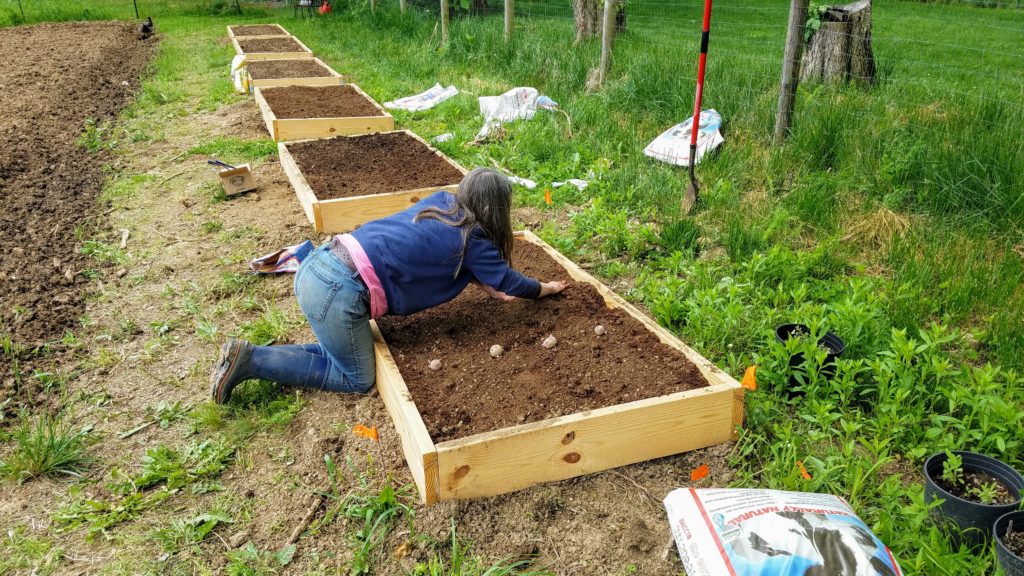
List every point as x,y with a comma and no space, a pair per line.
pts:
750,378
699,473
370,433
547,196
803,471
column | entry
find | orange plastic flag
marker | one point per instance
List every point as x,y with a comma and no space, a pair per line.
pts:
370,433
750,378
803,471
699,473
547,196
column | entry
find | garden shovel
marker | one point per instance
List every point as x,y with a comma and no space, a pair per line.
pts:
693,189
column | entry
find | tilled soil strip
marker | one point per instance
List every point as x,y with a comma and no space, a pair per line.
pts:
261,30
319,102
294,68
373,164
473,392
257,45
54,78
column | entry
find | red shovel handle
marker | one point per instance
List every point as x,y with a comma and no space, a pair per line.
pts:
702,65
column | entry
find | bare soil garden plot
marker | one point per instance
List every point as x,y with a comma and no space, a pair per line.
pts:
275,48
293,72
56,76
482,425
304,112
345,181
256,30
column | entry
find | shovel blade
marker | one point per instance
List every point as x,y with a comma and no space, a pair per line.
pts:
690,198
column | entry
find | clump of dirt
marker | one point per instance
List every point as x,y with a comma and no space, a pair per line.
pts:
257,45
292,68
257,30
372,164
319,102
475,392
976,482
58,76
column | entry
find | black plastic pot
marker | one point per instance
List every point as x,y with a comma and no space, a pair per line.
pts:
974,520
1012,564
833,343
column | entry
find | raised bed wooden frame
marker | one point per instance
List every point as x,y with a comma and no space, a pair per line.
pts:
344,214
514,458
334,79
255,56
288,129
283,32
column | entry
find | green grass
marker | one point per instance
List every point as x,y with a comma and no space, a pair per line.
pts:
932,317
45,446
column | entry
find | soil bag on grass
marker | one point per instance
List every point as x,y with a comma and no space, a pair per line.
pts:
725,532
673,145
423,100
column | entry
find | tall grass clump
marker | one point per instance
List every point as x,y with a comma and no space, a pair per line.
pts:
45,446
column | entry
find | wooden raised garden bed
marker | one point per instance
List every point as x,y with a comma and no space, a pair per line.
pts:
485,452
293,72
306,112
271,48
256,30
345,181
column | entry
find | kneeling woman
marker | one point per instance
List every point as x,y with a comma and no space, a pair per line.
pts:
413,260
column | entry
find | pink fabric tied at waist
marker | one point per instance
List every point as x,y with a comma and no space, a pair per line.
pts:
378,299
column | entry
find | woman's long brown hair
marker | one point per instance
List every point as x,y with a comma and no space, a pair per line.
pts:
484,199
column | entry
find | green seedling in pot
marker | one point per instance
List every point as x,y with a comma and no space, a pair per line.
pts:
952,469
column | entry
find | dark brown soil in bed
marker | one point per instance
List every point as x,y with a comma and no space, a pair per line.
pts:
257,45
257,30
319,102
473,392
292,68
373,164
55,77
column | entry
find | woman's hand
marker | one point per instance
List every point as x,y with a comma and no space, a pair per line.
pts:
549,288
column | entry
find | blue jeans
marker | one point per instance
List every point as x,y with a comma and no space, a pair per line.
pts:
337,305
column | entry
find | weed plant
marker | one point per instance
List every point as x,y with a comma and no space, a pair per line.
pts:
45,446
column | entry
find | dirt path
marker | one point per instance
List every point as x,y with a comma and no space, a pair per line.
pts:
63,76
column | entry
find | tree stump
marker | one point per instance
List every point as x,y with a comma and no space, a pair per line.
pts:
840,50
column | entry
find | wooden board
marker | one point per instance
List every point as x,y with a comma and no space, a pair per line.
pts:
345,214
289,129
254,56
514,458
232,35
335,79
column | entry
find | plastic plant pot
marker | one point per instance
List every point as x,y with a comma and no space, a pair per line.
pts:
973,519
830,341
1012,564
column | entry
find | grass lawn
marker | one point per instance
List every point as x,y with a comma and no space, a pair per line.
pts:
893,216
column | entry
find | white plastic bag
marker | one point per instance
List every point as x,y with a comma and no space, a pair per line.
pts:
424,100
673,145
239,75
723,532
516,104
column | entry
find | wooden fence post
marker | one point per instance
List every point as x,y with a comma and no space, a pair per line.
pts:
444,22
791,67
510,10
373,6
607,32
402,5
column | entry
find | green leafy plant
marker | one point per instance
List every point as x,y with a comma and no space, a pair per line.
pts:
953,469
814,18
46,446
189,531
250,561
457,560
987,492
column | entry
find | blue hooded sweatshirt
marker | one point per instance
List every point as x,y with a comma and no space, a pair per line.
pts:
416,261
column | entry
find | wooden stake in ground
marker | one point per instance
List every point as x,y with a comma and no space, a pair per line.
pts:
510,9
402,4
840,49
444,22
791,67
